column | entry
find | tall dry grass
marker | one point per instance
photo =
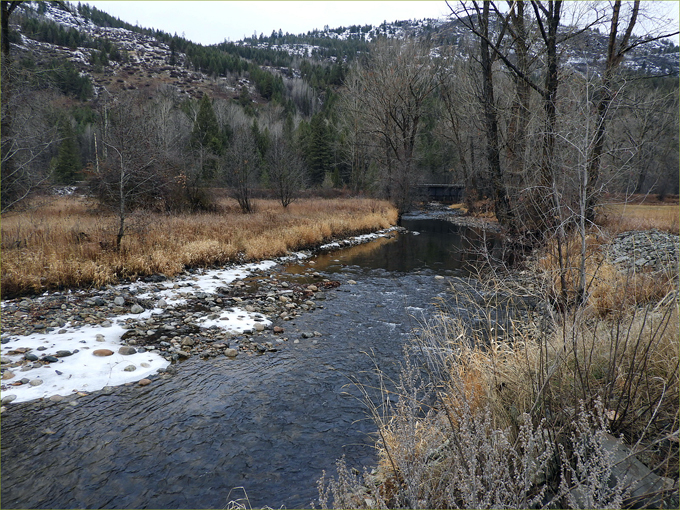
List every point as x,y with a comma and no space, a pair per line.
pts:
624,217
67,242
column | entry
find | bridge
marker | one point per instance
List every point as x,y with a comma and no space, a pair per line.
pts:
453,193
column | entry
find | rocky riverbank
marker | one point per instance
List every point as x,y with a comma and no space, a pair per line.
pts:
203,313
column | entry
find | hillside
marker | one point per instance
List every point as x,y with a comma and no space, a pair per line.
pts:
137,58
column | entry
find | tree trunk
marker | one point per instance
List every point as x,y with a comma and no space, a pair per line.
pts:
500,196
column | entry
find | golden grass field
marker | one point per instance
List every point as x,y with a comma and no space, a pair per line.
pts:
66,242
623,217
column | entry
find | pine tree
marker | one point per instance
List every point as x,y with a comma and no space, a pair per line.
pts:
206,138
67,168
318,150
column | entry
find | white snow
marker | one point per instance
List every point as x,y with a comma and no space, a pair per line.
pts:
84,372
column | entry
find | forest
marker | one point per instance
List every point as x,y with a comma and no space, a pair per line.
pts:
503,111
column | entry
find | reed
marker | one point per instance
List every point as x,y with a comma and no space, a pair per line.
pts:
67,242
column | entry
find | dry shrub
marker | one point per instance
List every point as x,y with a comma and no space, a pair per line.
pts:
609,289
520,418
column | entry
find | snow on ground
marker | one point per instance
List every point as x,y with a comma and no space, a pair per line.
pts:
84,372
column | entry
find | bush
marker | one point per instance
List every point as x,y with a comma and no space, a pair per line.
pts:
513,405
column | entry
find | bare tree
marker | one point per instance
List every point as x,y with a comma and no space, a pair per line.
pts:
130,177
391,90
286,169
620,42
241,167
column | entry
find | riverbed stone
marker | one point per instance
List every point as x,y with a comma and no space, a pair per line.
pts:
119,301
7,399
130,368
144,382
127,350
36,382
137,309
232,353
102,352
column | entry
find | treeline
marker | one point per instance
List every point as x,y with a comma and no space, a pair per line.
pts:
396,117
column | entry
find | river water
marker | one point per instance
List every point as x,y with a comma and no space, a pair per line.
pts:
265,426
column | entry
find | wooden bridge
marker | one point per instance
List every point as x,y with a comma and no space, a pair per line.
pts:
452,193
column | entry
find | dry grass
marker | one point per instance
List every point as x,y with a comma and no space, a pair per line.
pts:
610,289
67,243
623,217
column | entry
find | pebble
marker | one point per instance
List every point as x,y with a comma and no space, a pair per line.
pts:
231,352
130,368
102,352
126,350
144,382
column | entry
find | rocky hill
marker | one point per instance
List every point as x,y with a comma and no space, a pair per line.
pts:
141,60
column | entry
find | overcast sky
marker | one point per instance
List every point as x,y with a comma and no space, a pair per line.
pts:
211,22
214,21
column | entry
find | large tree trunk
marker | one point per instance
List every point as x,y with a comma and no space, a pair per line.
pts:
615,54
500,195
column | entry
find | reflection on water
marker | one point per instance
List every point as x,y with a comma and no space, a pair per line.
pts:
430,244
270,423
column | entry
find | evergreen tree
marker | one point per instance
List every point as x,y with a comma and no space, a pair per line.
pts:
316,142
67,168
206,138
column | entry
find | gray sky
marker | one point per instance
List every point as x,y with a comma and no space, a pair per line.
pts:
214,21
211,22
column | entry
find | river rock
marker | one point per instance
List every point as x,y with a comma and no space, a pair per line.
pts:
8,399
6,376
278,329
119,301
231,353
100,338
136,309
130,368
258,326
63,354
50,359
144,382
102,352
30,357
126,350
36,382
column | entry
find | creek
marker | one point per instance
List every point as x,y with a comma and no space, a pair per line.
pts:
265,426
